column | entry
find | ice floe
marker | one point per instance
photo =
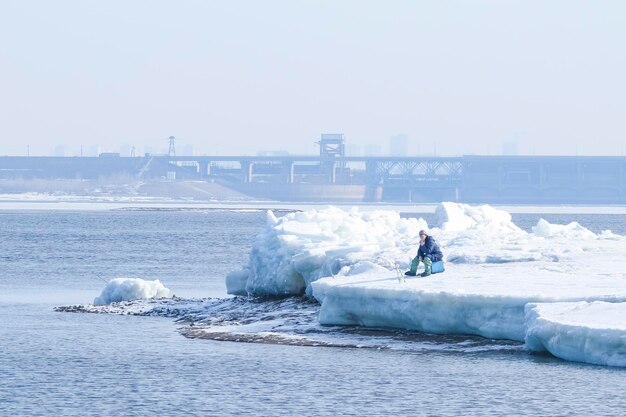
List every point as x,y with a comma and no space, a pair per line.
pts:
126,289
583,332
351,262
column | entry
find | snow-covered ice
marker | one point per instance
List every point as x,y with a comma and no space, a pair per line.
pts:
583,332
468,300
126,289
351,262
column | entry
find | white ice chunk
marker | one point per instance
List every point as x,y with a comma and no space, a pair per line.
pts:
568,231
126,289
459,217
271,218
299,248
236,282
583,332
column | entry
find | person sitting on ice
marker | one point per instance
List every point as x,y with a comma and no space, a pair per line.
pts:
427,253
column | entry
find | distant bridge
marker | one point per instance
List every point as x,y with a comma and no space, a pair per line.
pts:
495,179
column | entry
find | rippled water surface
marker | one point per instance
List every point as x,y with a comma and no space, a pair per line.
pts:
61,363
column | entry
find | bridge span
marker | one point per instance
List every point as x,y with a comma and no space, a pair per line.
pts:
476,179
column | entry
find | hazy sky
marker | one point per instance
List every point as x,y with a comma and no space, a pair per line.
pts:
238,77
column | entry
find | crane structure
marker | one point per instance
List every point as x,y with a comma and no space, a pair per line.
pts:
172,149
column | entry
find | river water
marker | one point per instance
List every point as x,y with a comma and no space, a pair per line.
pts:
59,363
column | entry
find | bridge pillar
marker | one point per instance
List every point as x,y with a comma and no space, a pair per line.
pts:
205,169
288,171
246,171
372,189
332,174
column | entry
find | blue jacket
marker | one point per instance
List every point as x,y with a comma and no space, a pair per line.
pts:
430,249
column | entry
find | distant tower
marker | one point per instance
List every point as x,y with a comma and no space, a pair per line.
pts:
172,150
332,145
132,152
